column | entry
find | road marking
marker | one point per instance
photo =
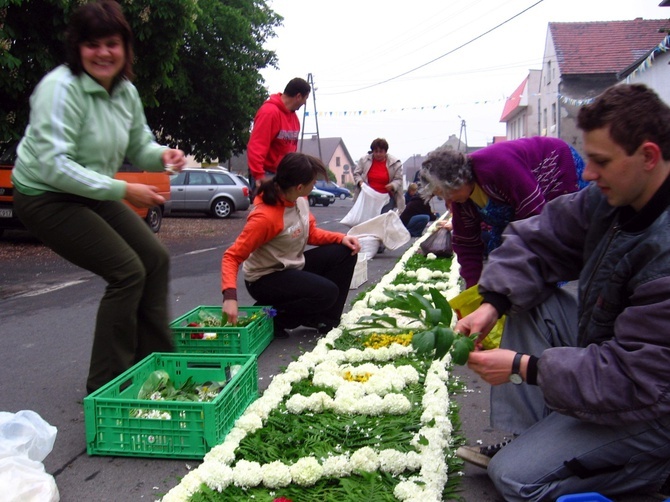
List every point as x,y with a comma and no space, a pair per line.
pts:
49,289
200,251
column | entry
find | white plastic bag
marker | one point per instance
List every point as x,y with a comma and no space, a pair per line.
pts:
369,204
25,433
25,480
369,245
387,227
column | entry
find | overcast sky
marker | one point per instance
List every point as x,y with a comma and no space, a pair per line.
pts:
413,71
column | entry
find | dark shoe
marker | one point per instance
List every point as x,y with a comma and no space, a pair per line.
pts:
323,328
281,333
480,455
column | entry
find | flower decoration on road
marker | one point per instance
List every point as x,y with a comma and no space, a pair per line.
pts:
366,411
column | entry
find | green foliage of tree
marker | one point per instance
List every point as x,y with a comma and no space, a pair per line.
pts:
30,45
217,87
197,65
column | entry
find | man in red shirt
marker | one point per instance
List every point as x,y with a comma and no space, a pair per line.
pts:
275,130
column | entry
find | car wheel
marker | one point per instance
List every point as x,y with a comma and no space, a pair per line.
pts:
154,218
312,201
222,208
343,196
326,204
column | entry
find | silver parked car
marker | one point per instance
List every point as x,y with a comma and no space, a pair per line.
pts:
213,191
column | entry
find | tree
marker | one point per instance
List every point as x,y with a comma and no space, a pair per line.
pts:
196,65
216,86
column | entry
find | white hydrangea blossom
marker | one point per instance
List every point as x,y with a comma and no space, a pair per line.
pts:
249,422
276,474
365,459
337,466
217,475
306,471
247,473
392,461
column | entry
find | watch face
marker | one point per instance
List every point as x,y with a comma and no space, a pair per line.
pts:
515,378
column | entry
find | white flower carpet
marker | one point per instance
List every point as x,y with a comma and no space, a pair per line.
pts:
360,417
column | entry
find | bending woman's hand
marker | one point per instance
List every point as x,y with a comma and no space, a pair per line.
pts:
174,159
230,309
352,243
140,195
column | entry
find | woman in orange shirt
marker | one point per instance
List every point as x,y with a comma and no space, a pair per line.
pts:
307,288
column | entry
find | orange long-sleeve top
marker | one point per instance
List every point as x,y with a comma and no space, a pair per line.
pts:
273,239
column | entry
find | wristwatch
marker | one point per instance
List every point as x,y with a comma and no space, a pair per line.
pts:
515,376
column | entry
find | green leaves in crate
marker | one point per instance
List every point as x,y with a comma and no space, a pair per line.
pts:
160,387
434,315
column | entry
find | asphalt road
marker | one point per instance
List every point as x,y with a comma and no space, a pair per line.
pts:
47,312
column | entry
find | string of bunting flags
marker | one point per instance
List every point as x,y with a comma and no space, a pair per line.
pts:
358,113
648,62
664,46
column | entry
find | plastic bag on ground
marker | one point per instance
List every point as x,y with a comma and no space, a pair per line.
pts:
369,204
369,245
25,433
25,480
387,227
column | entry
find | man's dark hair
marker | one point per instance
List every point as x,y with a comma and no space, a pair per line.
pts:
297,86
634,114
97,20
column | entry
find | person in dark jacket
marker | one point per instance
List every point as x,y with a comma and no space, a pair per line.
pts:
416,215
583,380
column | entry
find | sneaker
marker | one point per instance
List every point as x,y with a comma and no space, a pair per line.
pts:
480,455
664,492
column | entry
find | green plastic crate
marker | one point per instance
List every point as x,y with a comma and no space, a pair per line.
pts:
194,427
250,339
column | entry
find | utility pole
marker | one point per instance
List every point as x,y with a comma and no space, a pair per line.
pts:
463,132
310,81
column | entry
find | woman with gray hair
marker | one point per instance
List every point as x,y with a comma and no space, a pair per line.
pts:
489,188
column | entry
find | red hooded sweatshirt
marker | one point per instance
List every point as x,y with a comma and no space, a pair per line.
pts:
275,133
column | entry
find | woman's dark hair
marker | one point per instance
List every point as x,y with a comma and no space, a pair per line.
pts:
379,143
103,18
293,170
634,114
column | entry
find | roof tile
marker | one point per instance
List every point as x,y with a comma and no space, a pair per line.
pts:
605,46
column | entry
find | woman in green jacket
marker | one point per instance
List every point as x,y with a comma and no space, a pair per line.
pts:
85,117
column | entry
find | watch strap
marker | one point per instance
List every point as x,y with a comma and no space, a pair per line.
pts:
515,377
516,363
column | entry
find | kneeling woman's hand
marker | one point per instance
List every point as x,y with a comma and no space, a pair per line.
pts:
230,309
352,243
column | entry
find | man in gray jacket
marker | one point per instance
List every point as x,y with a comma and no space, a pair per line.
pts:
589,396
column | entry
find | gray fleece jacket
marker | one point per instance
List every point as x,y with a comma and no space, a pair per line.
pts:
619,372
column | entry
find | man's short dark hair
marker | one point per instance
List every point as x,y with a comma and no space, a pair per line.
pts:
634,114
297,86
